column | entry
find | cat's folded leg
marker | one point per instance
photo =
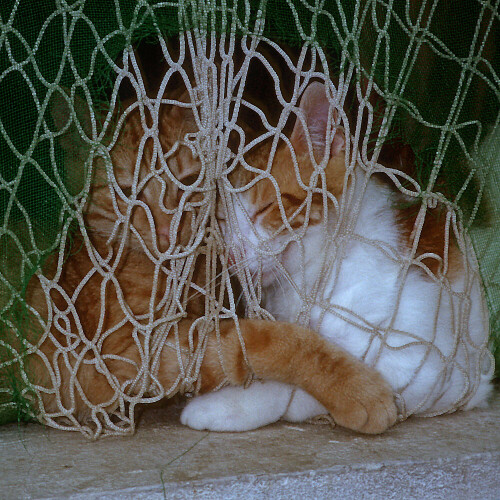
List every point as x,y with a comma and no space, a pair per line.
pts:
237,408
356,396
234,409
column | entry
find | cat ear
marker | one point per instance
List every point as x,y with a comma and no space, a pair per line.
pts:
315,107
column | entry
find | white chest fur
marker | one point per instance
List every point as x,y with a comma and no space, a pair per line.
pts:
360,292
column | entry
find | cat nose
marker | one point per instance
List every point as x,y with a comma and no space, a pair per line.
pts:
163,232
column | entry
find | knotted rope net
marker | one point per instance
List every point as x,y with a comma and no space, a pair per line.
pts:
82,139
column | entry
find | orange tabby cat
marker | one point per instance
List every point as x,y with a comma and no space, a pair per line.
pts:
344,269
128,249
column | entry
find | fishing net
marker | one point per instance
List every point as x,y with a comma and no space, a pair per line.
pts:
417,90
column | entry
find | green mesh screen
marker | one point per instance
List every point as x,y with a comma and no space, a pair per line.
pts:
430,69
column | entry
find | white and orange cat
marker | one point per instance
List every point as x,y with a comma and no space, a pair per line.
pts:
348,270
92,348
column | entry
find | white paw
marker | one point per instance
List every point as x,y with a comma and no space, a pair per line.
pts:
234,409
208,412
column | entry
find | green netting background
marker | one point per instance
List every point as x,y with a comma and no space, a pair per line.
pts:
435,65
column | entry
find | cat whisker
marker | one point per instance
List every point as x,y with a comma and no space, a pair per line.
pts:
279,279
239,300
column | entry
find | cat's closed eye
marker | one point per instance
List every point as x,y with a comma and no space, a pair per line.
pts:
189,179
262,210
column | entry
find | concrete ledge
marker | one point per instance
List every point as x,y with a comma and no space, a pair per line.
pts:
454,456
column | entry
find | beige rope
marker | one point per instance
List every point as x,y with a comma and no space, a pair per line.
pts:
215,87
